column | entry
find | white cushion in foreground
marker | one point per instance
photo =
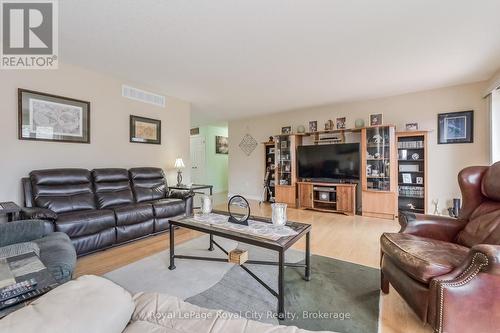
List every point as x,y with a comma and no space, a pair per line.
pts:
87,304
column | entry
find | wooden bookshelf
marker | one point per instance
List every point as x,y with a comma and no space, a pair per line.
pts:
412,171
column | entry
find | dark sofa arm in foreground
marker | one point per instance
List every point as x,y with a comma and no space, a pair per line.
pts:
37,213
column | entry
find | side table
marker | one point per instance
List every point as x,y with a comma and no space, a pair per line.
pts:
11,209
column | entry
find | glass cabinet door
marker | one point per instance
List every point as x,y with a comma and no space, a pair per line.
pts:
283,161
378,158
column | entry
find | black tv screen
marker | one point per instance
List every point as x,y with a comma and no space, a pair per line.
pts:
329,162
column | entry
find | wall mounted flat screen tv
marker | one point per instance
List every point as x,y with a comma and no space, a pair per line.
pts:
331,162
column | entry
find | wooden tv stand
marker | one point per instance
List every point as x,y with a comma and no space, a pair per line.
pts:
328,197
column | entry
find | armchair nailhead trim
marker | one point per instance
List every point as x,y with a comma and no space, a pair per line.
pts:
479,261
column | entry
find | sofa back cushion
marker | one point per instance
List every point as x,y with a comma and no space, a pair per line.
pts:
148,184
63,190
484,222
112,187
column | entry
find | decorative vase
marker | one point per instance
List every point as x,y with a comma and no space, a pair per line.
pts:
301,129
359,123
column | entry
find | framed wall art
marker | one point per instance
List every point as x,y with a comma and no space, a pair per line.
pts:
46,117
145,130
456,127
221,145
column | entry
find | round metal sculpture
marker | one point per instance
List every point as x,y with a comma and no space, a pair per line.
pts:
239,210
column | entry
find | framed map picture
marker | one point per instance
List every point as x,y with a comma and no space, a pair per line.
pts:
46,117
456,127
145,130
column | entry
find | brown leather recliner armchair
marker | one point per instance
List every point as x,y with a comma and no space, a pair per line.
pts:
448,270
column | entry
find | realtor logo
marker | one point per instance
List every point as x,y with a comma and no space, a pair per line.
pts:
29,34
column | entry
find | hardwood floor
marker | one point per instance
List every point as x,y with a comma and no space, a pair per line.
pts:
354,239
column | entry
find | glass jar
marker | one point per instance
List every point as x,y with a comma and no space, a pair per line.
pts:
279,216
206,204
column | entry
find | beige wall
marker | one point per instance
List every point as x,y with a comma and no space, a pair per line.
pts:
110,112
246,172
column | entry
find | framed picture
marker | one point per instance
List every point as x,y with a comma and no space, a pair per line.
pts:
376,119
406,178
419,180
412,127
286,130
340,123
456,127
313,126
329,125
46,117
145,130
221,145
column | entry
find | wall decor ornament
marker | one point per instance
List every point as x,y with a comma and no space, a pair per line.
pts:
248,144
145,130
456,127
46,117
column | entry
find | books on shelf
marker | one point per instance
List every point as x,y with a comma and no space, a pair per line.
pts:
410,144
411,191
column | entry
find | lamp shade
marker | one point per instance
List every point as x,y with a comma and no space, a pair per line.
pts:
179,163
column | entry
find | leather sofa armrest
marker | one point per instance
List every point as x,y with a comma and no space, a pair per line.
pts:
38,214
180,194
431,226
24,231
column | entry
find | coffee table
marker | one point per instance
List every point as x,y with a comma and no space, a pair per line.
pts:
280,246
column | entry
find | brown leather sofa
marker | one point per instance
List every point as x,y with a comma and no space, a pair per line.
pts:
104,207
448,270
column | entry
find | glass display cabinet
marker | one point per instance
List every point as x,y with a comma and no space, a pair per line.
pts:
379,171
284,160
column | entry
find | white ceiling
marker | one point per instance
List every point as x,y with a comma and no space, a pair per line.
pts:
238,58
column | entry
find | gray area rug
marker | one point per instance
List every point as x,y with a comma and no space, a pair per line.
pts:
341,296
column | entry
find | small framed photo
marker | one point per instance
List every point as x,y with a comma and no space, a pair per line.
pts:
313,126
340,123
376,119
412,127
286,130
145,130
406,178
284,144
456,127
221,145
46,117
419,180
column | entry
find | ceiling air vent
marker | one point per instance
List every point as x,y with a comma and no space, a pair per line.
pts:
143,96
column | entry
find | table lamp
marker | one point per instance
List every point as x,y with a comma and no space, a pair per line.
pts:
179,165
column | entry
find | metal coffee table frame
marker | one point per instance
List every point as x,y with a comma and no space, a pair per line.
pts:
280,246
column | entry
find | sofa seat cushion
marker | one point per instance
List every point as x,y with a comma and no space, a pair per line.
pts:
160,313
422,258
58,254
85,222
133,213
88,304
169,207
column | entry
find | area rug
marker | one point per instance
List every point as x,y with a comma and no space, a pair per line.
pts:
341,296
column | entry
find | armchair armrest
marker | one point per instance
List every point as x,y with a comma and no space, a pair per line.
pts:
475,286
24,231
431,226
180,194
37,213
